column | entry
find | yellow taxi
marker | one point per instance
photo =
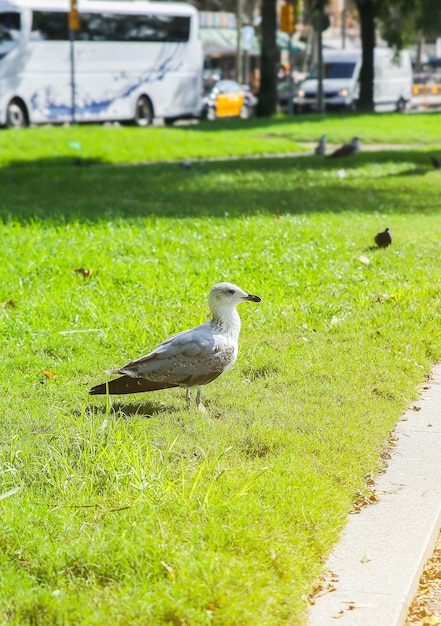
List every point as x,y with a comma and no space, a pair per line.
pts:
228,98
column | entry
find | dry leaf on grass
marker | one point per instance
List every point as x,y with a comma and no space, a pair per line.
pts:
169,569
10,304
50,374
364,500
382,297
84,273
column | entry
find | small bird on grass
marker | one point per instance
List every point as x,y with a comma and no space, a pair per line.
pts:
383,239
192,358
435,162
186,165
320,148
347,149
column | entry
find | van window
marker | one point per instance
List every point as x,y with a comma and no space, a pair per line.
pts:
342,69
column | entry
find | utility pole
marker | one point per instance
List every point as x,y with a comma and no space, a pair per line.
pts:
239,66
74,25
288,25
321,103
320,22
343,28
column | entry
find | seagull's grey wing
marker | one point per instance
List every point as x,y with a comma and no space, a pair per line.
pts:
346,150
193,357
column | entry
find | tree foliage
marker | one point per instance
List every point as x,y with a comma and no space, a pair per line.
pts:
429,18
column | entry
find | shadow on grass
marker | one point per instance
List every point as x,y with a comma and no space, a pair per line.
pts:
60,190
142,408
254,123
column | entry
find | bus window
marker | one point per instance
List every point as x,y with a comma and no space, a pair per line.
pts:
49,26
114,27
9,32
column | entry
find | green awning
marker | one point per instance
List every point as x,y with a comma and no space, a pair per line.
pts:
283,41
223,42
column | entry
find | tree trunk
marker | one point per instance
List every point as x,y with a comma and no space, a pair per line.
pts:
366,12
268,60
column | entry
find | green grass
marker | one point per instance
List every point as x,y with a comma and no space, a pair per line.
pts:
48,145
144,511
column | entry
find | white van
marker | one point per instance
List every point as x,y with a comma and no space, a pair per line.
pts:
341,81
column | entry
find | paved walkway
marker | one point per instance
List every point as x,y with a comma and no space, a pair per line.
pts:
376,567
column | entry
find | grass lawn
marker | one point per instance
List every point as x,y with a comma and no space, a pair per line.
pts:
142,511
48,145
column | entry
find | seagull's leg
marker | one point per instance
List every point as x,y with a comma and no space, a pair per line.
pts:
199,404
188,396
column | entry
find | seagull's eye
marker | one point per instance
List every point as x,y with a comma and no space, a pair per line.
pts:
231,291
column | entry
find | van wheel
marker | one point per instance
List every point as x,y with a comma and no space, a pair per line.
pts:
401,105
143,112
16,115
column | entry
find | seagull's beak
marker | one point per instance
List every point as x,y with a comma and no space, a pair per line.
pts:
252,298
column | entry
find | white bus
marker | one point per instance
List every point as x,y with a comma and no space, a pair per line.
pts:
134,61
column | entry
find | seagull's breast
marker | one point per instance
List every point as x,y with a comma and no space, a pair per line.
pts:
226,347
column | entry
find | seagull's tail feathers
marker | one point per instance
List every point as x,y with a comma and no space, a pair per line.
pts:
127,384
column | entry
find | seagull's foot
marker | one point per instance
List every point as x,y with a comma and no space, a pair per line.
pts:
201,408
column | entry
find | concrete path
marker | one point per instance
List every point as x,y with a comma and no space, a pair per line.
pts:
376,567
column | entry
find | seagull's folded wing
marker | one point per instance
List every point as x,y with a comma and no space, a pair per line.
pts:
193,357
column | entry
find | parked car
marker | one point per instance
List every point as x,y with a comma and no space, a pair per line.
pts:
341,84
283,94
228,98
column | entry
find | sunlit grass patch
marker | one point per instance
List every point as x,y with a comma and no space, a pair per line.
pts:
139,510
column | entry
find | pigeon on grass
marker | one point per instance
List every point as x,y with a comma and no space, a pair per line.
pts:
347,149
192,358
383,239
320,148
435,162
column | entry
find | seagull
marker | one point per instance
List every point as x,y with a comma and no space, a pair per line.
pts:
347,149
320,148
383,239
435,162
192,358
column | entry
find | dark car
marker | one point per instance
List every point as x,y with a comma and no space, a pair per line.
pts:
228,98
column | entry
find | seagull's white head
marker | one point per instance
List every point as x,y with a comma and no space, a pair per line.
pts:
224,297
355,141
